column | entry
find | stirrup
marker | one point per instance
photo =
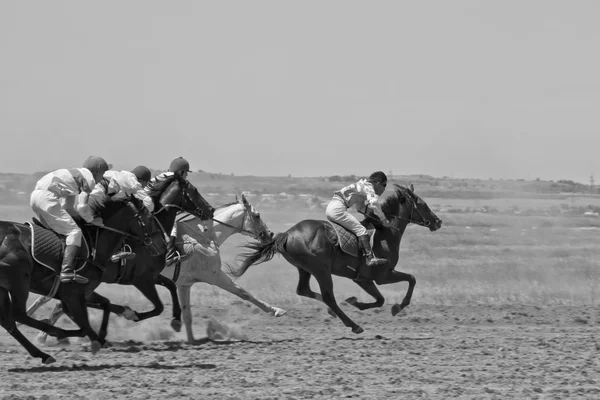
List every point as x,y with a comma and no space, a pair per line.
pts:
72,276
375,261
173,258
123,255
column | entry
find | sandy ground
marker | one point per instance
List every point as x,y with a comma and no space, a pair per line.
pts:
426,352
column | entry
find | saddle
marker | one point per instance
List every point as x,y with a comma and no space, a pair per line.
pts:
347,240
47,247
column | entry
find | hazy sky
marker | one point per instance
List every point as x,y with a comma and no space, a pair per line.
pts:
504,89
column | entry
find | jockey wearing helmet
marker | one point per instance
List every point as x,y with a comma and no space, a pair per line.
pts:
362,195
55,200
119,186
179,166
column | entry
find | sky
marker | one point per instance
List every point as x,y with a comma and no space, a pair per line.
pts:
466,89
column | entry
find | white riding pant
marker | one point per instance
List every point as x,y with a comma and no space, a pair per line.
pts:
338,212
54,215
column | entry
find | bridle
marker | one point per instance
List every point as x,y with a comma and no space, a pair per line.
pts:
241,228
414,210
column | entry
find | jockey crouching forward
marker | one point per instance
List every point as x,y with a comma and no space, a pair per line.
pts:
55,200
181,167
362,195
119,186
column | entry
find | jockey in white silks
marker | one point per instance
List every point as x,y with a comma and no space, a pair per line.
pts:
361,195
181,167
56,199
120,185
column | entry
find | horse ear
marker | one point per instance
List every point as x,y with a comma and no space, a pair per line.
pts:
236,199
244,200
412,188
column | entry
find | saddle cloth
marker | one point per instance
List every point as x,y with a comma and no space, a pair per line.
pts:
347,240
47,246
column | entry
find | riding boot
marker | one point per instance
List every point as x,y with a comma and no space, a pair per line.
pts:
172,254
368,253
67,273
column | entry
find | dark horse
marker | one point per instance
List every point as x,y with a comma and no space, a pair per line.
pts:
20,273
170,196
308,247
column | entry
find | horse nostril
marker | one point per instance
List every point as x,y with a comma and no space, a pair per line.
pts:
272,234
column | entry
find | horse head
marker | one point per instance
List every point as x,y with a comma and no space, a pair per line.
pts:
253,225
133,220
184,196
406,205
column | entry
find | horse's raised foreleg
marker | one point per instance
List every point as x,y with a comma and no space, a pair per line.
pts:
394,277
369,287
96,300
172,288
7,321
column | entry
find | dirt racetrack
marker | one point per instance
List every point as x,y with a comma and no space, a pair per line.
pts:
427,352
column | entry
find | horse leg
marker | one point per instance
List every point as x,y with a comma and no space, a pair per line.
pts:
326,284
222,280
369,287
40,301
394,277
148,289
7,321
303,289
172,288
96,300
75,306
186,310
56,313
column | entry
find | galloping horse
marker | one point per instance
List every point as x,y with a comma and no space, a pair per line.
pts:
203,264
311,246
143,272
20,272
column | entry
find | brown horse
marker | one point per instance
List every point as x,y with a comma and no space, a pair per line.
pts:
311,247
20,273
170,196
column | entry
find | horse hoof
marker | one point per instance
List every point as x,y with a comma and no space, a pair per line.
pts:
42,337
357,330
106,345
330,311
176,325
351,300
129,314
396,308
96,346
278,312
48,360
64,341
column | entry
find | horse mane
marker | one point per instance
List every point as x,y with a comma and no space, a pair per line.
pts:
391,205
157,188
226,205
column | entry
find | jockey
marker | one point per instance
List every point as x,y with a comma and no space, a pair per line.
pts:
56,200
179,166
362,195
120,185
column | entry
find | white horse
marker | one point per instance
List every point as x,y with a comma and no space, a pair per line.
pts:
202,260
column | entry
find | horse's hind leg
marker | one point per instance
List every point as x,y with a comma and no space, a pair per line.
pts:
326,284
186,311
303,288
56,313
369,287
172,288
222,280
75,305
96,300
7,321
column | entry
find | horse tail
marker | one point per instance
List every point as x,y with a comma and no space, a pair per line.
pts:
260,252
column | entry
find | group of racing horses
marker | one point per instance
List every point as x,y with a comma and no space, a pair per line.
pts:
310,245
